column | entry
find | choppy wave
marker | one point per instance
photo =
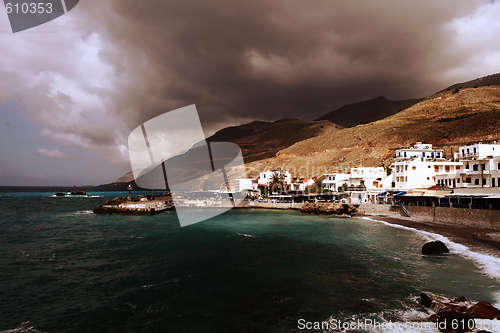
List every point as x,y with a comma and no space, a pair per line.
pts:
402,321
245,235
84,212
25,327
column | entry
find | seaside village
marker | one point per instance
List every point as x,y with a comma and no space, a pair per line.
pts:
419,175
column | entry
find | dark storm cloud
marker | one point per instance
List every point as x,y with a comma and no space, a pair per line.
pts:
271,59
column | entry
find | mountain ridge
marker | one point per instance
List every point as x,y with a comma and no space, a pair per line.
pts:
446,119
367,111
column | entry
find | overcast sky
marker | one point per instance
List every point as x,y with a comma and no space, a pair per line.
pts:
71,90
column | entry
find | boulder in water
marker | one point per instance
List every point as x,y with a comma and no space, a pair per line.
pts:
436,247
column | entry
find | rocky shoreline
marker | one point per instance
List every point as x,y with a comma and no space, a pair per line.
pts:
457,315
328,209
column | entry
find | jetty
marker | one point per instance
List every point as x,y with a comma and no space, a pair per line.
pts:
141,205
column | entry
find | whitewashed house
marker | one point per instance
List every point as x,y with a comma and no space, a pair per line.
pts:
369,178
266,177
246,184
418,166
332,181
480,167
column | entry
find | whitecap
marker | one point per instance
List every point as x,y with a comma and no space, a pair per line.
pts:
245,235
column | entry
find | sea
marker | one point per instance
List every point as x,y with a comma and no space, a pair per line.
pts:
65,269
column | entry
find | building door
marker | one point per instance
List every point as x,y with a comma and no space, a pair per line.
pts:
492,182
454,183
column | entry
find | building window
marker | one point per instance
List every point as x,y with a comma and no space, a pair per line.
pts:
467,166
474,150
423,154
432,155
492,182
428,178
457,167
429,166
468,180
483,166
468,152
436,168
414,168
463,152
475,167
476,181
406,168
406,178
405,154
484,181
498,166
447,168
438,155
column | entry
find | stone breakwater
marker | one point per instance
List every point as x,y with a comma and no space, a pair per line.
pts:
141,205
327,208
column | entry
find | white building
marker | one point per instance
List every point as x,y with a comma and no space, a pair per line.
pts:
417,166
246,184
370,178
480,167
266,177
332,181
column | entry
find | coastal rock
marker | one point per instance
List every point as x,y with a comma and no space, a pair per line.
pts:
425,300
351,209
484,310
442,304
59,194
456,322
116,201
329,209
78,193
436,247
308,208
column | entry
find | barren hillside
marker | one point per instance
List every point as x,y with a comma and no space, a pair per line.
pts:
447,119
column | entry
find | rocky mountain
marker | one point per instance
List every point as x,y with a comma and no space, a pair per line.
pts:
367,111
447,119
489,80
260,140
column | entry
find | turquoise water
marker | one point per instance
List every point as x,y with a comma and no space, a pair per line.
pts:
65,269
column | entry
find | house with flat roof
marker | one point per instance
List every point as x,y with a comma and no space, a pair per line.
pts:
418,166
480,167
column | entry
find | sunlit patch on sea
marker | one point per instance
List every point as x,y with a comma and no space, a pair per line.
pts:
65,269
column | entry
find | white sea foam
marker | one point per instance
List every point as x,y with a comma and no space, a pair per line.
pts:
403,321
246,235
25,327
84,212
76,196
488,264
